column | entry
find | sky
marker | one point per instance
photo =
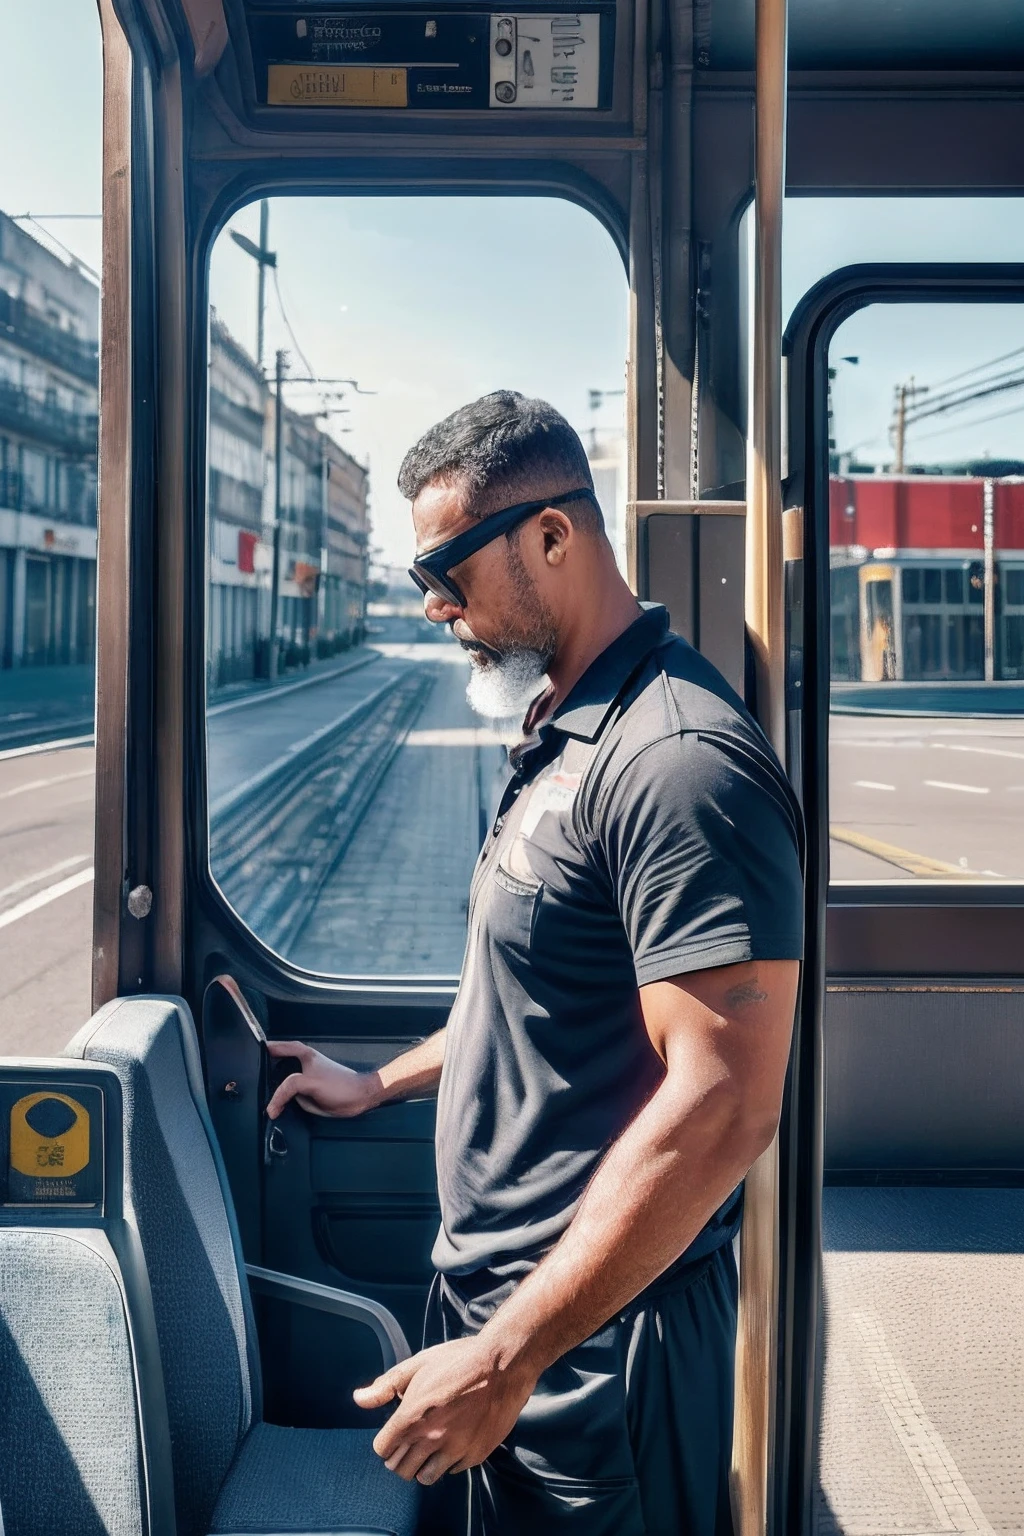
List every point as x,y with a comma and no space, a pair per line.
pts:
927,342
430,302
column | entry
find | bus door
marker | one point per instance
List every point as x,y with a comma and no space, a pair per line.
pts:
909,793
881,659
294,802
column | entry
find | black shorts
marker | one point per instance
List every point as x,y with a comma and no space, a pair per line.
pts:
629,1434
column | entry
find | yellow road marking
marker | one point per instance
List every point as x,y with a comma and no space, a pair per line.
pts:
904,858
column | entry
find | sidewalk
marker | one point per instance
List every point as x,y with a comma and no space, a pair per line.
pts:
995,700
330,666
39,704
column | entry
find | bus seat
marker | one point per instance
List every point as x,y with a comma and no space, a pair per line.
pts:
81,1400
232,1472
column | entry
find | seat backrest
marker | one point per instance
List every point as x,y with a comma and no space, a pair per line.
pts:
68,1430
178,1190
83,1433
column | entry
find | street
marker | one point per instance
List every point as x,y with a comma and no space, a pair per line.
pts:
932,798
46,842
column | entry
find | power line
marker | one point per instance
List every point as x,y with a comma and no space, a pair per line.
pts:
953,399
978,368
15,217
924,437
288,327
29,218
962,426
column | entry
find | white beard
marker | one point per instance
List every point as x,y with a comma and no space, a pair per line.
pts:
503,690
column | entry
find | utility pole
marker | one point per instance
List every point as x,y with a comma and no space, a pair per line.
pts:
281,362
325,492
906,394
264,258
990,580
901,425
280,367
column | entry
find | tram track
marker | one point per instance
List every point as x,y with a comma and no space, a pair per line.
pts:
277,839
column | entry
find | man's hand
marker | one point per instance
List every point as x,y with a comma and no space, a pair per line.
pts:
457,1404
324,1087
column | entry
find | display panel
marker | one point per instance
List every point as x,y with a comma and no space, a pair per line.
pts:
558,60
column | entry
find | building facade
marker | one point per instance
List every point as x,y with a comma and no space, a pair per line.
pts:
49,376
324,527
237,611
927,577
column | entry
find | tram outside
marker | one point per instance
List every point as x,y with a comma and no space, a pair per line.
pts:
925,578
215,1285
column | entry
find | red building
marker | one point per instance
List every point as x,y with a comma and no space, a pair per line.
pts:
927,577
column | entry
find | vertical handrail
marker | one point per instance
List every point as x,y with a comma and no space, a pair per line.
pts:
757,1343
764,577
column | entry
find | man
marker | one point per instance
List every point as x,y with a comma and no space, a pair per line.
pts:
614,1061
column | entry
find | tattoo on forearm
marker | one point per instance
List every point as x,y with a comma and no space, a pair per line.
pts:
745,993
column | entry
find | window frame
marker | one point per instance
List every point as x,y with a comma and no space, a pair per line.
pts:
927,928
218,928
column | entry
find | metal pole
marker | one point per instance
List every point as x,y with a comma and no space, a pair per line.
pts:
764,585
325,476
756,1340
275,578
261,289
901,426
990,581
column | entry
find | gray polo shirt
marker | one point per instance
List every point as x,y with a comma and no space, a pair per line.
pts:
647,831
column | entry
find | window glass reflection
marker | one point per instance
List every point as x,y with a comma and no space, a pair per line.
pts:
350,785
927,593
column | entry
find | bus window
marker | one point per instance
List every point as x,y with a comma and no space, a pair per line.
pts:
1011,619
926,465
349,782
51,130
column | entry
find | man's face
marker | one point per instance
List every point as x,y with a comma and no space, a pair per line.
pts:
504,624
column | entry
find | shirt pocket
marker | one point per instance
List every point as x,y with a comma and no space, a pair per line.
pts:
514,884
512,908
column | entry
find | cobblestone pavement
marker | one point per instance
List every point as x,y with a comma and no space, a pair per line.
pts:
396,905
923,1417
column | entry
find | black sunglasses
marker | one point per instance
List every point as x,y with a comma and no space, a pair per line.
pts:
430,571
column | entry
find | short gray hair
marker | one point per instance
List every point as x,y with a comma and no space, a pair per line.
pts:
501,449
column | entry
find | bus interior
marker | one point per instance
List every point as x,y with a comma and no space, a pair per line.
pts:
299,870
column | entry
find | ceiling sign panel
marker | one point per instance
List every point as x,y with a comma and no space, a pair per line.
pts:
545,61
500,61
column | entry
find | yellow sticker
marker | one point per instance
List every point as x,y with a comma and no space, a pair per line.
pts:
49,1136
336,85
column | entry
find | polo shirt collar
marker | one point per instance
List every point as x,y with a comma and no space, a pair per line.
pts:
591,699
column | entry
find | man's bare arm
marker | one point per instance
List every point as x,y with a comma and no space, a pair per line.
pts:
325,1087
724,1038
